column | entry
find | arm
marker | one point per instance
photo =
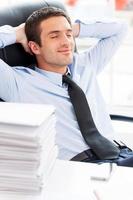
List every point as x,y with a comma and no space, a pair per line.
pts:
21,37
109,35
8,36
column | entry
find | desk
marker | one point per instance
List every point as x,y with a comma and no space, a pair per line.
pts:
68,181
72,181
118,187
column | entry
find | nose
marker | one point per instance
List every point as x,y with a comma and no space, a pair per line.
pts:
65,40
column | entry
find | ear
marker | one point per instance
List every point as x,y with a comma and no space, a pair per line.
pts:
34,47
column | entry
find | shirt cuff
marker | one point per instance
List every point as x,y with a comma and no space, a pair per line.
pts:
87,28
7,36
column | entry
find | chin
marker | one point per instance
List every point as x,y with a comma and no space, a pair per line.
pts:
66,64
65,61
69,61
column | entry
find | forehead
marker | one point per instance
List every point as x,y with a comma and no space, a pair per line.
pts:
58,23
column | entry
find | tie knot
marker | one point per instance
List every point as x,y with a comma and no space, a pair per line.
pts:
66,79
71,84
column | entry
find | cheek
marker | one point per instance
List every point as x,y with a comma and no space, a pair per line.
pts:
73,43
52,46
49,51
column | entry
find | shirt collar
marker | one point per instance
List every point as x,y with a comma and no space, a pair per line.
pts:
56,78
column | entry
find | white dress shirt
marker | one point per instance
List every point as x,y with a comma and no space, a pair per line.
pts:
20,84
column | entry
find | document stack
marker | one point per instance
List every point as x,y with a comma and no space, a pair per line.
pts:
27,147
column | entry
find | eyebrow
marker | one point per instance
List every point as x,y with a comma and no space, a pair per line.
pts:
57,31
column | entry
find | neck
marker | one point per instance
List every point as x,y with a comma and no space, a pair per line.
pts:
56,69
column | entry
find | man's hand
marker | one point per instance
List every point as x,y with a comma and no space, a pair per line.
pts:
76,29
21,37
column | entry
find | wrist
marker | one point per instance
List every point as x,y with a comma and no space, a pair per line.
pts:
20,32
76,29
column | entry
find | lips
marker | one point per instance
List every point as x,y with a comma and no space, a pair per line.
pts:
65,51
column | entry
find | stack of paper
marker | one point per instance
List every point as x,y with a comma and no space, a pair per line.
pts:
27,146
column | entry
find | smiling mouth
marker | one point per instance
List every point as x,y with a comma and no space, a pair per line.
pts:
66,51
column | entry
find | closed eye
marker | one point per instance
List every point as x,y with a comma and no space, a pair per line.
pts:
69,35
55,36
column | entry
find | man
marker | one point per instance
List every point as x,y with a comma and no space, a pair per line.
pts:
50,38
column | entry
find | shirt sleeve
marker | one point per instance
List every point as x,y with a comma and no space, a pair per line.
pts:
7,36
7,80
109,34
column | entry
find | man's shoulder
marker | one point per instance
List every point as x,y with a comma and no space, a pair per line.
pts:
23,69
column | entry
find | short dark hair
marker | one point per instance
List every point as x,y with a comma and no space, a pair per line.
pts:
32,24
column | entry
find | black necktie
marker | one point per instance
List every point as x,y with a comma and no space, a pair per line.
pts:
101,146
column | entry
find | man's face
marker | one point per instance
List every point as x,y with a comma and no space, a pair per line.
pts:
57,43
